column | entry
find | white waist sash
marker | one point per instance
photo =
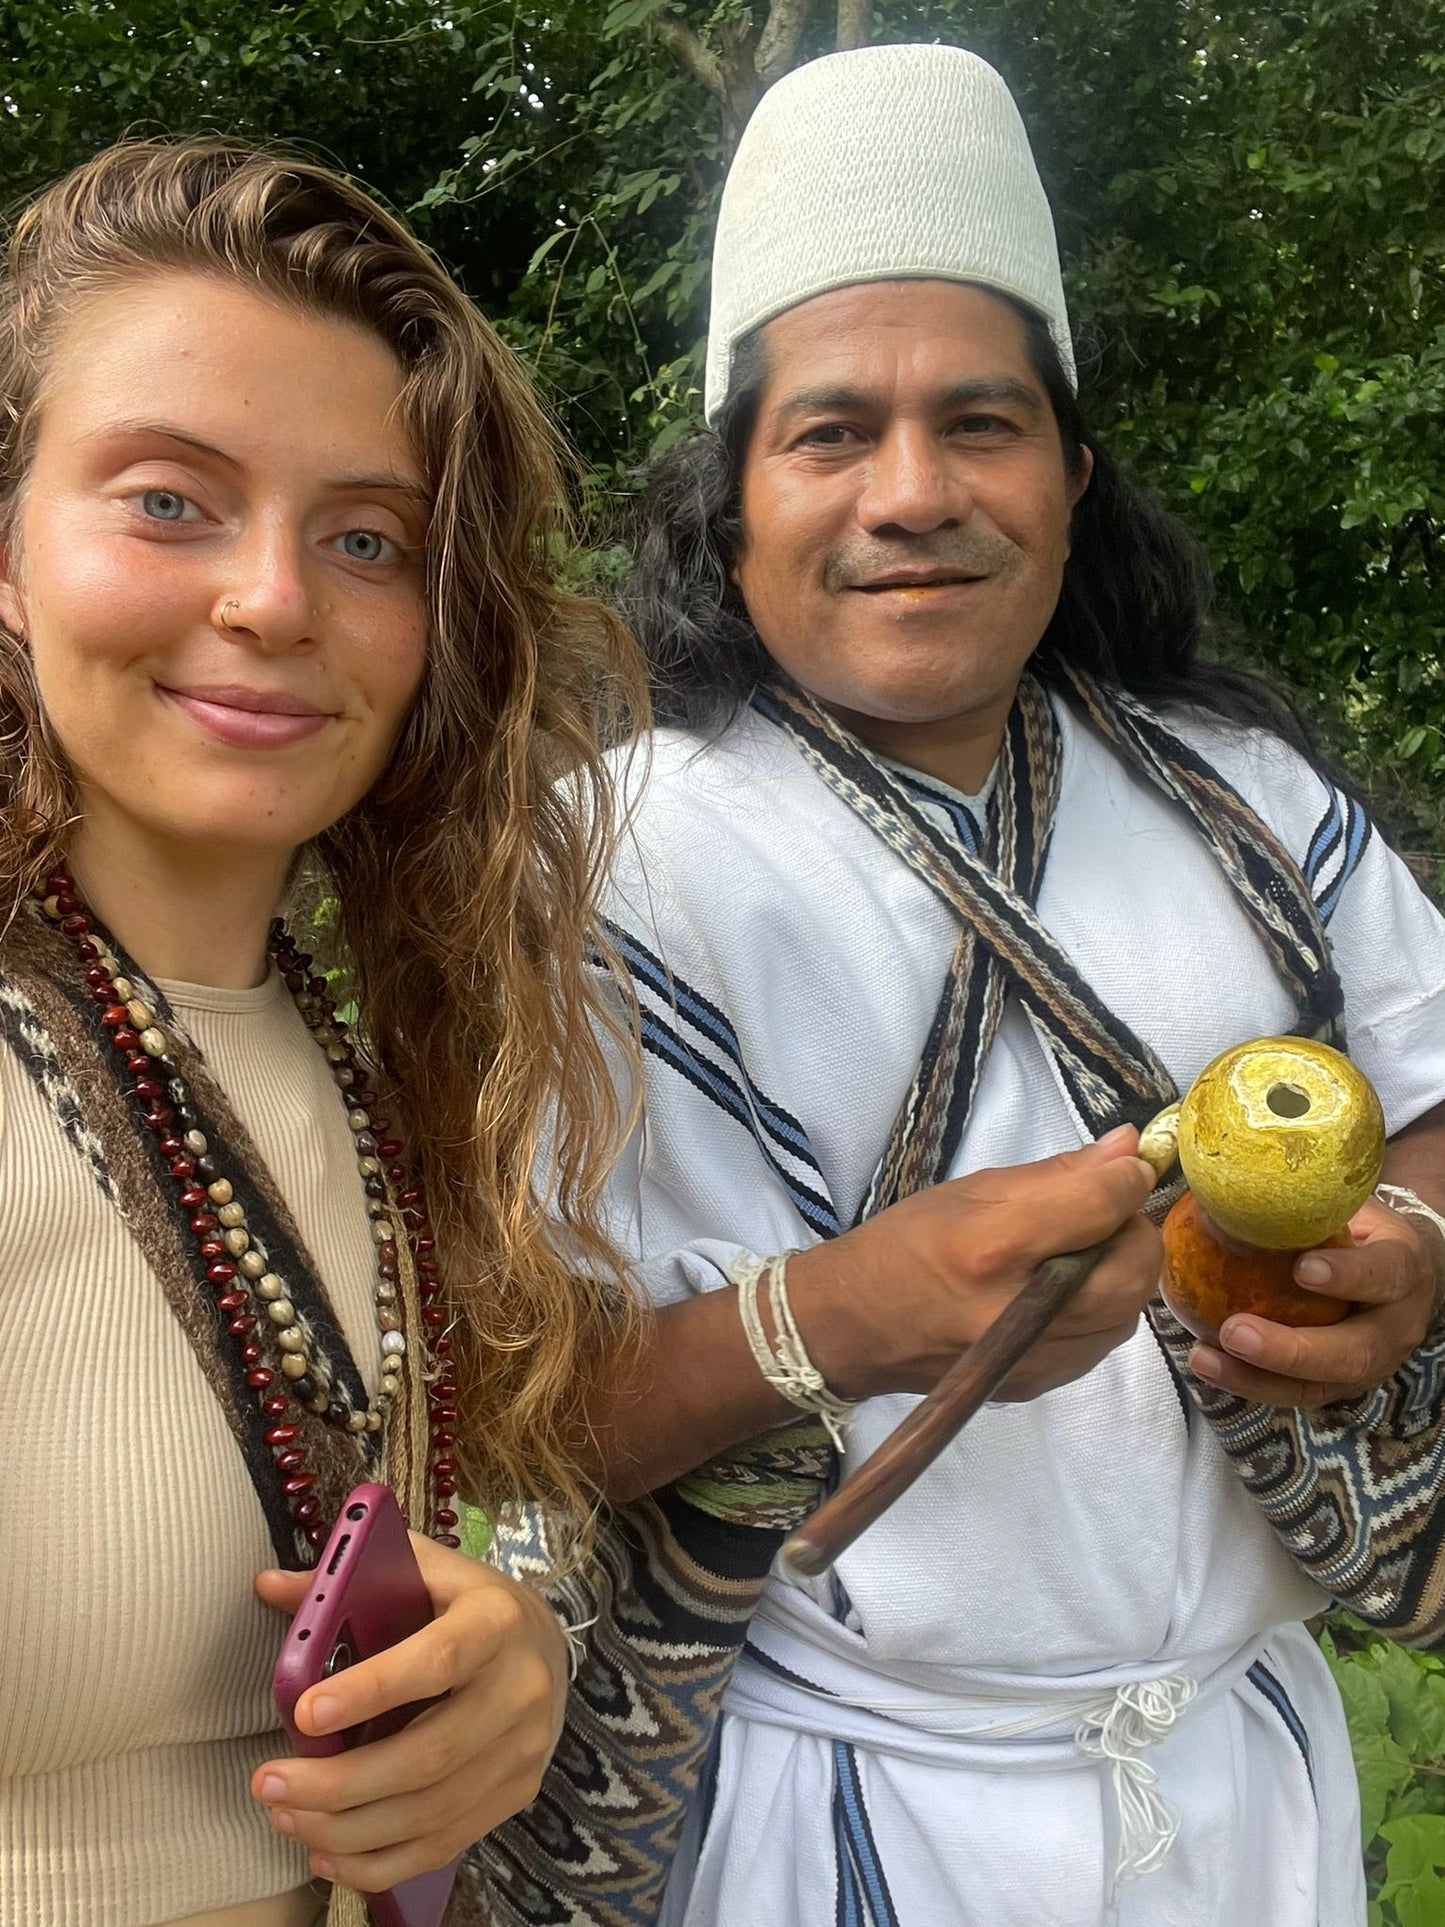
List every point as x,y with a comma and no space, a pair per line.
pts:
805,1672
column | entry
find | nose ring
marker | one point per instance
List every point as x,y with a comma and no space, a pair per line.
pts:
226,607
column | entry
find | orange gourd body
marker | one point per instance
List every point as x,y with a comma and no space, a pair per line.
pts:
1208,1277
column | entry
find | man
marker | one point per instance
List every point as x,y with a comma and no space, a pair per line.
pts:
953,864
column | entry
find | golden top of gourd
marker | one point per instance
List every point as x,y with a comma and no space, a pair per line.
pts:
1281,1141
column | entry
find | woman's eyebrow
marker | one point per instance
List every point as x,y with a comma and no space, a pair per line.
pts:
342,484
371,484
113,431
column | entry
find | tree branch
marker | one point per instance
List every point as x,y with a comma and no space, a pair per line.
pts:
855,24
779,40
702,64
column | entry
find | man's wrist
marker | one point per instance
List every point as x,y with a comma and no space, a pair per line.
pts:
818,1286
1409,1204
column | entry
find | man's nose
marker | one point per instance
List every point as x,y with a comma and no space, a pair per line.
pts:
911,484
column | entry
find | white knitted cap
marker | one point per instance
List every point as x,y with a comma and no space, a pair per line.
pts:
890,163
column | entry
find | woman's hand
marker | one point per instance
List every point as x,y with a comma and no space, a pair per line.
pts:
379,1813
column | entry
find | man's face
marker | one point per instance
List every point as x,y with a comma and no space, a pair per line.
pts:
905,501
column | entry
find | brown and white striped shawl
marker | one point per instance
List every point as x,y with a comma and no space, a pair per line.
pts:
1350,1491
52,1026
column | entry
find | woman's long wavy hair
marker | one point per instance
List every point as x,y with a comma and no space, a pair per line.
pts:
1134,609
463,881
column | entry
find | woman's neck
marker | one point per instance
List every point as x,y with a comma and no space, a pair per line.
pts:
198,915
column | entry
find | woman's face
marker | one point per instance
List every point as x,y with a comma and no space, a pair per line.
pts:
217,564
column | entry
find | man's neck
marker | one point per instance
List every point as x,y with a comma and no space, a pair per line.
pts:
957,750
184,911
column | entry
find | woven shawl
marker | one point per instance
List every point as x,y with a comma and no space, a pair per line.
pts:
1108,1075
52,1026
1350,1491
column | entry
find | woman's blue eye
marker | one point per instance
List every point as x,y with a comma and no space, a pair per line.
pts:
164,505
363,545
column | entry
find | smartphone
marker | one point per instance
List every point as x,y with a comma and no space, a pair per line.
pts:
367,1594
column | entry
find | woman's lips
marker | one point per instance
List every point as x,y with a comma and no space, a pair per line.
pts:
233,719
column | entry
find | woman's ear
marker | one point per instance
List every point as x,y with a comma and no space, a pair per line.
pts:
12,610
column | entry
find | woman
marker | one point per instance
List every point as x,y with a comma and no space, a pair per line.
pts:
275,508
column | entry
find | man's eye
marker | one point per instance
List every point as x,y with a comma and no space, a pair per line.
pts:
826,435
986,425
365,545
164,505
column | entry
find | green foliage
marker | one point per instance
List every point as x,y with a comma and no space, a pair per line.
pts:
1249,206
1250,210
1254,234
1395,1704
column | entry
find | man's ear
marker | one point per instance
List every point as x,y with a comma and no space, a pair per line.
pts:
1075,490
1080,477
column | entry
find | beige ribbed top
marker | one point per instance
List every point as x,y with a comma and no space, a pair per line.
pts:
135,1659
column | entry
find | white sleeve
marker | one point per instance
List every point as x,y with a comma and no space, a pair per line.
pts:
1388,942
1386,938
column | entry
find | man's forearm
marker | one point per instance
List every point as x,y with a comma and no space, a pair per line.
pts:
1416,1157
692,1391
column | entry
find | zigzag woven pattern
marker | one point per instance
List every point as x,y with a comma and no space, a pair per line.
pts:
666,1601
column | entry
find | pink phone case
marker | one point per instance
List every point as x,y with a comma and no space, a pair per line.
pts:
367,1594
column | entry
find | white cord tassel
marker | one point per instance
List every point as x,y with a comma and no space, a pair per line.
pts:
1138,1716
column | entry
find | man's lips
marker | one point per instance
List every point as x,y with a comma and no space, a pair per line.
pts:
942,579
249,718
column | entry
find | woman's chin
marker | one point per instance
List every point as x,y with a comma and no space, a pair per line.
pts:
236,824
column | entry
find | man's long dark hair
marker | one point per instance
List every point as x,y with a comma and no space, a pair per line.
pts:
1133,612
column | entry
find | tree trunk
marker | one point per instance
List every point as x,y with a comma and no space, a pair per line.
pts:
740,68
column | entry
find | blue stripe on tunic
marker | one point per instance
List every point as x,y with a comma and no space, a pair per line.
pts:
1265,1682
852,1828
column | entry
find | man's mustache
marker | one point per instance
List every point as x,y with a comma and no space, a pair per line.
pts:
975,554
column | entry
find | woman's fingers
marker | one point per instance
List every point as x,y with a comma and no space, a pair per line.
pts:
490,1711
477,1623
283,1590
453,1810
380,1812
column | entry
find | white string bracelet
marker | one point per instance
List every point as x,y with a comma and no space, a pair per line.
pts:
1409,1204
1399,1197
784,1361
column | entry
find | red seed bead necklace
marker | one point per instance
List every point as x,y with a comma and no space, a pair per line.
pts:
283,1365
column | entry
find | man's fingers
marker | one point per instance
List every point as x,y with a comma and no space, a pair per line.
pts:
1221,1373
1381,1271
1122,1283
1339,1359
1081,1198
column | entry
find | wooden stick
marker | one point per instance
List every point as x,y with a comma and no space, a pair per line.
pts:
942,1415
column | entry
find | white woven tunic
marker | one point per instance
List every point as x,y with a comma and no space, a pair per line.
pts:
1076,1631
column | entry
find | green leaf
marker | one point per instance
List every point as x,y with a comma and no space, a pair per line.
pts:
540,254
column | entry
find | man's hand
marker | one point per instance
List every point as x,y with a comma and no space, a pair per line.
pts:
1394,1274
889,1306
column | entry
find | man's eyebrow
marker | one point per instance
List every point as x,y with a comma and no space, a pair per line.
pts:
342,484
999,390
